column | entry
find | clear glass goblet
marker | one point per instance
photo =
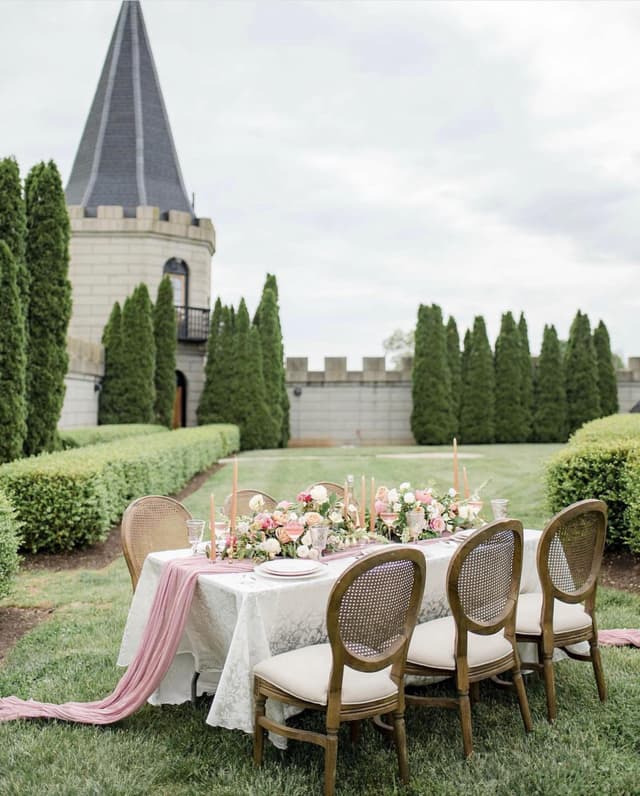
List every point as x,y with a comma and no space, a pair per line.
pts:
319,535
416,524
195,532
220,534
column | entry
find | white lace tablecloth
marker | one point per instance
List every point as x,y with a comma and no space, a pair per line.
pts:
238,620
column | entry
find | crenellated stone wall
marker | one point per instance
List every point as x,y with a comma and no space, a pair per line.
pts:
629,385
82,384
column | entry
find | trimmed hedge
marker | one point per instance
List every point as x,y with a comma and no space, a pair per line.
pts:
72,498
96,435
602,460
9,543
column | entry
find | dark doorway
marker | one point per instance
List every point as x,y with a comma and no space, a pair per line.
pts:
180,402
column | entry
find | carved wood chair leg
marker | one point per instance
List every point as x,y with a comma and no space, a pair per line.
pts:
598,671
258,731
400,738
354,732
523,701
194,687
540,660
330,762
474,692
550,687
465,723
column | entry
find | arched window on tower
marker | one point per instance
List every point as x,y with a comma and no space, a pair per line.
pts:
178,272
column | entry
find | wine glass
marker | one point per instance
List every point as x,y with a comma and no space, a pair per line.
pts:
319,534
195,532
416,523
220,534
294,530
389,518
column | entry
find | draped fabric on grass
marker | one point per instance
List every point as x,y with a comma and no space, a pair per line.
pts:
157,649
619,637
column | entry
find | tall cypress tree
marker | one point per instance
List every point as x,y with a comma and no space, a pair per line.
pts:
165,337
581,374
607,382
455,369
139,357
13,420
477,414
550,398
432,418
112,401
13,336
267,323
509,415
208,407
526,383
47,258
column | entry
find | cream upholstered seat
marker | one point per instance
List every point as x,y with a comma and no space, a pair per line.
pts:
569,557
359,674
478,640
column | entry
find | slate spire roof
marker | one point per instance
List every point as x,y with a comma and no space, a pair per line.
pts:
126,155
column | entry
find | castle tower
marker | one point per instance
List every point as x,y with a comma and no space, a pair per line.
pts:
131,219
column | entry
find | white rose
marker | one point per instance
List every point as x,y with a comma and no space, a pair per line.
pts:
464,512
318,493
270,546
256,503
292,516
306,539
409,497
243,527
406,485
393,496
452,492
397,507
302,551
335,517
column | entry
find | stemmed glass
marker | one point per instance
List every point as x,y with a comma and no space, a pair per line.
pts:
195,532
389,518
220,532
319,534
416,522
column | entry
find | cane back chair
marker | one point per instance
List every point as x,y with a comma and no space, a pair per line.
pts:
478,640
359,674
151,524
244,498
569,557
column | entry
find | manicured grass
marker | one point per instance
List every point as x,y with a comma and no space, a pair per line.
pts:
593,748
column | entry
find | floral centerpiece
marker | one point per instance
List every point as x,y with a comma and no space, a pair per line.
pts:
442,513
285,530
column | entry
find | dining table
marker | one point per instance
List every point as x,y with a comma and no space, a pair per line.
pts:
238,619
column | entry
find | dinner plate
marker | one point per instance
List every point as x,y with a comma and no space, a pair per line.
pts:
290,567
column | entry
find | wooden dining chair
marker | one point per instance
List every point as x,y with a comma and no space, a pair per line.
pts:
150,524
569,558
244,497
478,640
359,674
337,489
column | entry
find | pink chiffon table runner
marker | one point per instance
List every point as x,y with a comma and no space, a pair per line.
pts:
156,650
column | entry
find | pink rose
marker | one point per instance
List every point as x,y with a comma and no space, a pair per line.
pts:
284,505
437,524
382,493
304,497
423,496
380,506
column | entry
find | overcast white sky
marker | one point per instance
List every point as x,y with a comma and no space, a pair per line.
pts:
483,156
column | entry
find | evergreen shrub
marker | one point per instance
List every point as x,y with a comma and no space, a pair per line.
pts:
72,498
9,542
97,435
602,460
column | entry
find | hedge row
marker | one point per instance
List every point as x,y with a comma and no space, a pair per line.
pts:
72,498
96,435
9,543
602,460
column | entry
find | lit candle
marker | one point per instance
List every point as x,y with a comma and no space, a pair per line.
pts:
363,499
234,496
466,483
455,466
372,510
212,520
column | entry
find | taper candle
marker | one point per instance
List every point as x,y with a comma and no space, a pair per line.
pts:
234,496
212,518
456,483
372,510
363,501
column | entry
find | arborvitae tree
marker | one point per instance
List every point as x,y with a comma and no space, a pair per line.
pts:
455,369
47,258
165,335
477,414
268,325
581,374
13,339
209,405
13,224
432,417
13,417
550,398
607,382
526,383
249,406
509,417
112,401
139,357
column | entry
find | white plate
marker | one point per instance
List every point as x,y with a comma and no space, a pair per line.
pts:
289,567
314,573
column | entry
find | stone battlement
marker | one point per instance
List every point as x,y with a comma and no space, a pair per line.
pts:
142,220
335,371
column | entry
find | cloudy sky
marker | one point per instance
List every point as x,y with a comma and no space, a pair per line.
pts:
375,156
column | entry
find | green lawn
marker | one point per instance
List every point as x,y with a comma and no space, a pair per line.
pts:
591,749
